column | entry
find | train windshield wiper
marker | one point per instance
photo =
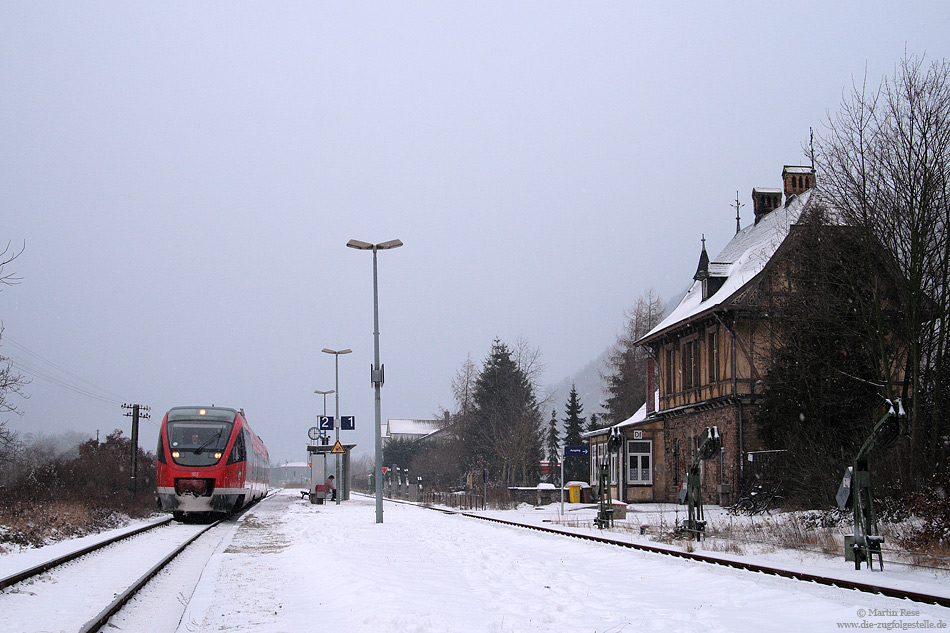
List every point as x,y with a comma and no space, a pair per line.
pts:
213,438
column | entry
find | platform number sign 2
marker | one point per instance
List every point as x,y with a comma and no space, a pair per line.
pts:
326,422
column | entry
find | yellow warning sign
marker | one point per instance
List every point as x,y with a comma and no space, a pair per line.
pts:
338,449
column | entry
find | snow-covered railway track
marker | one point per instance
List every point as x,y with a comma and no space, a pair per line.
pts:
84,592
36,570
748,566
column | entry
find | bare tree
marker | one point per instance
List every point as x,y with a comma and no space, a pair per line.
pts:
528,359
11,383
884,166
7,256
463,386
626,365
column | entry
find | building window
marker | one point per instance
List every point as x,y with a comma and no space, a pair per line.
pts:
713,357
640,462
596,452
691,377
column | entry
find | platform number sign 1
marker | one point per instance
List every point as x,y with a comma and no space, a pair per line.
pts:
326,422
347,423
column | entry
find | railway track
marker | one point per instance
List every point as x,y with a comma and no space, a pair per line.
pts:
36,570
751,567
82,581
138,556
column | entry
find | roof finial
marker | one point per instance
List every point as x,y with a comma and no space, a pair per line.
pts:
811,143
704,241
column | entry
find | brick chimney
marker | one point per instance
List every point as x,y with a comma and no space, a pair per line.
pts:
764,201
797,179
651,385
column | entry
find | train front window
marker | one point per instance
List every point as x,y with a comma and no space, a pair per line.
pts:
198,442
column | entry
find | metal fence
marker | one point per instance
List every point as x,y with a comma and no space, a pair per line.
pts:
460,501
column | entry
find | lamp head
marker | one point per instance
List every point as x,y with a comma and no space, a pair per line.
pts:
362,246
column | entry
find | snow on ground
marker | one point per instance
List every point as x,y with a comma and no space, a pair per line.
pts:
659,518
290,566
20,558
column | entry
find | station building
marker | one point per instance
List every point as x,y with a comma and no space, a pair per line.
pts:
708,360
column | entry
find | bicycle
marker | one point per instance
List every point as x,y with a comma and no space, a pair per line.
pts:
757,501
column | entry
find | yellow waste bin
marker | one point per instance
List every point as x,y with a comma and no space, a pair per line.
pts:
574,493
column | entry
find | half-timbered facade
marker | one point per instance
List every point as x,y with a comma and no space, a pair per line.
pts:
711,354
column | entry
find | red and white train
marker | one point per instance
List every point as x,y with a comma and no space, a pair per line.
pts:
209,461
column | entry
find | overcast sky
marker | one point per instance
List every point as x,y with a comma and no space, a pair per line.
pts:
185,177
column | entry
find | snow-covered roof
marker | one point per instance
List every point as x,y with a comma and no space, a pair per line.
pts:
641,415
797,169
766,190
412,427
740,261
637,418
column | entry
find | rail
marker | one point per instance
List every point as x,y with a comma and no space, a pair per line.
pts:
102,618
754,567
65,558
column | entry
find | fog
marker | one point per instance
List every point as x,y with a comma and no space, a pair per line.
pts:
185,176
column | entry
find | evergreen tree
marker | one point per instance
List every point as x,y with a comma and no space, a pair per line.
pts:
554,449
504,431
575,469
594,423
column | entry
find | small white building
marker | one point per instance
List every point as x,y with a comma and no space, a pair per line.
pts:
290,475
401,429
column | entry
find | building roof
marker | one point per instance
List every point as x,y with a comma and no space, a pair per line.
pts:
637,418
797,169
740,261
412,427
292,465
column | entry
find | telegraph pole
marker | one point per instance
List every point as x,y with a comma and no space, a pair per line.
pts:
137,412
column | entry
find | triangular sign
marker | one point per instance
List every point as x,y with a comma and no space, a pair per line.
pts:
338,449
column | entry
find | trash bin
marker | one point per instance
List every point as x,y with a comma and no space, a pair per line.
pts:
574,493
319,494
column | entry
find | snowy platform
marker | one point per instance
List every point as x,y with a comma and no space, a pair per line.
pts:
292,566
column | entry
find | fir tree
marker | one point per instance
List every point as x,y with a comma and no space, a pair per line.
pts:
575,469
504,430
594,423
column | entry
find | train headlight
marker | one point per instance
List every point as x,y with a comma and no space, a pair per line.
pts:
218,455
176,454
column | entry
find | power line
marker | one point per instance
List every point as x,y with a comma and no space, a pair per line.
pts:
62,385
57,378
117,398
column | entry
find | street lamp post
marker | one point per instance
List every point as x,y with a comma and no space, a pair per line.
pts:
377,374
324,394
336,423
